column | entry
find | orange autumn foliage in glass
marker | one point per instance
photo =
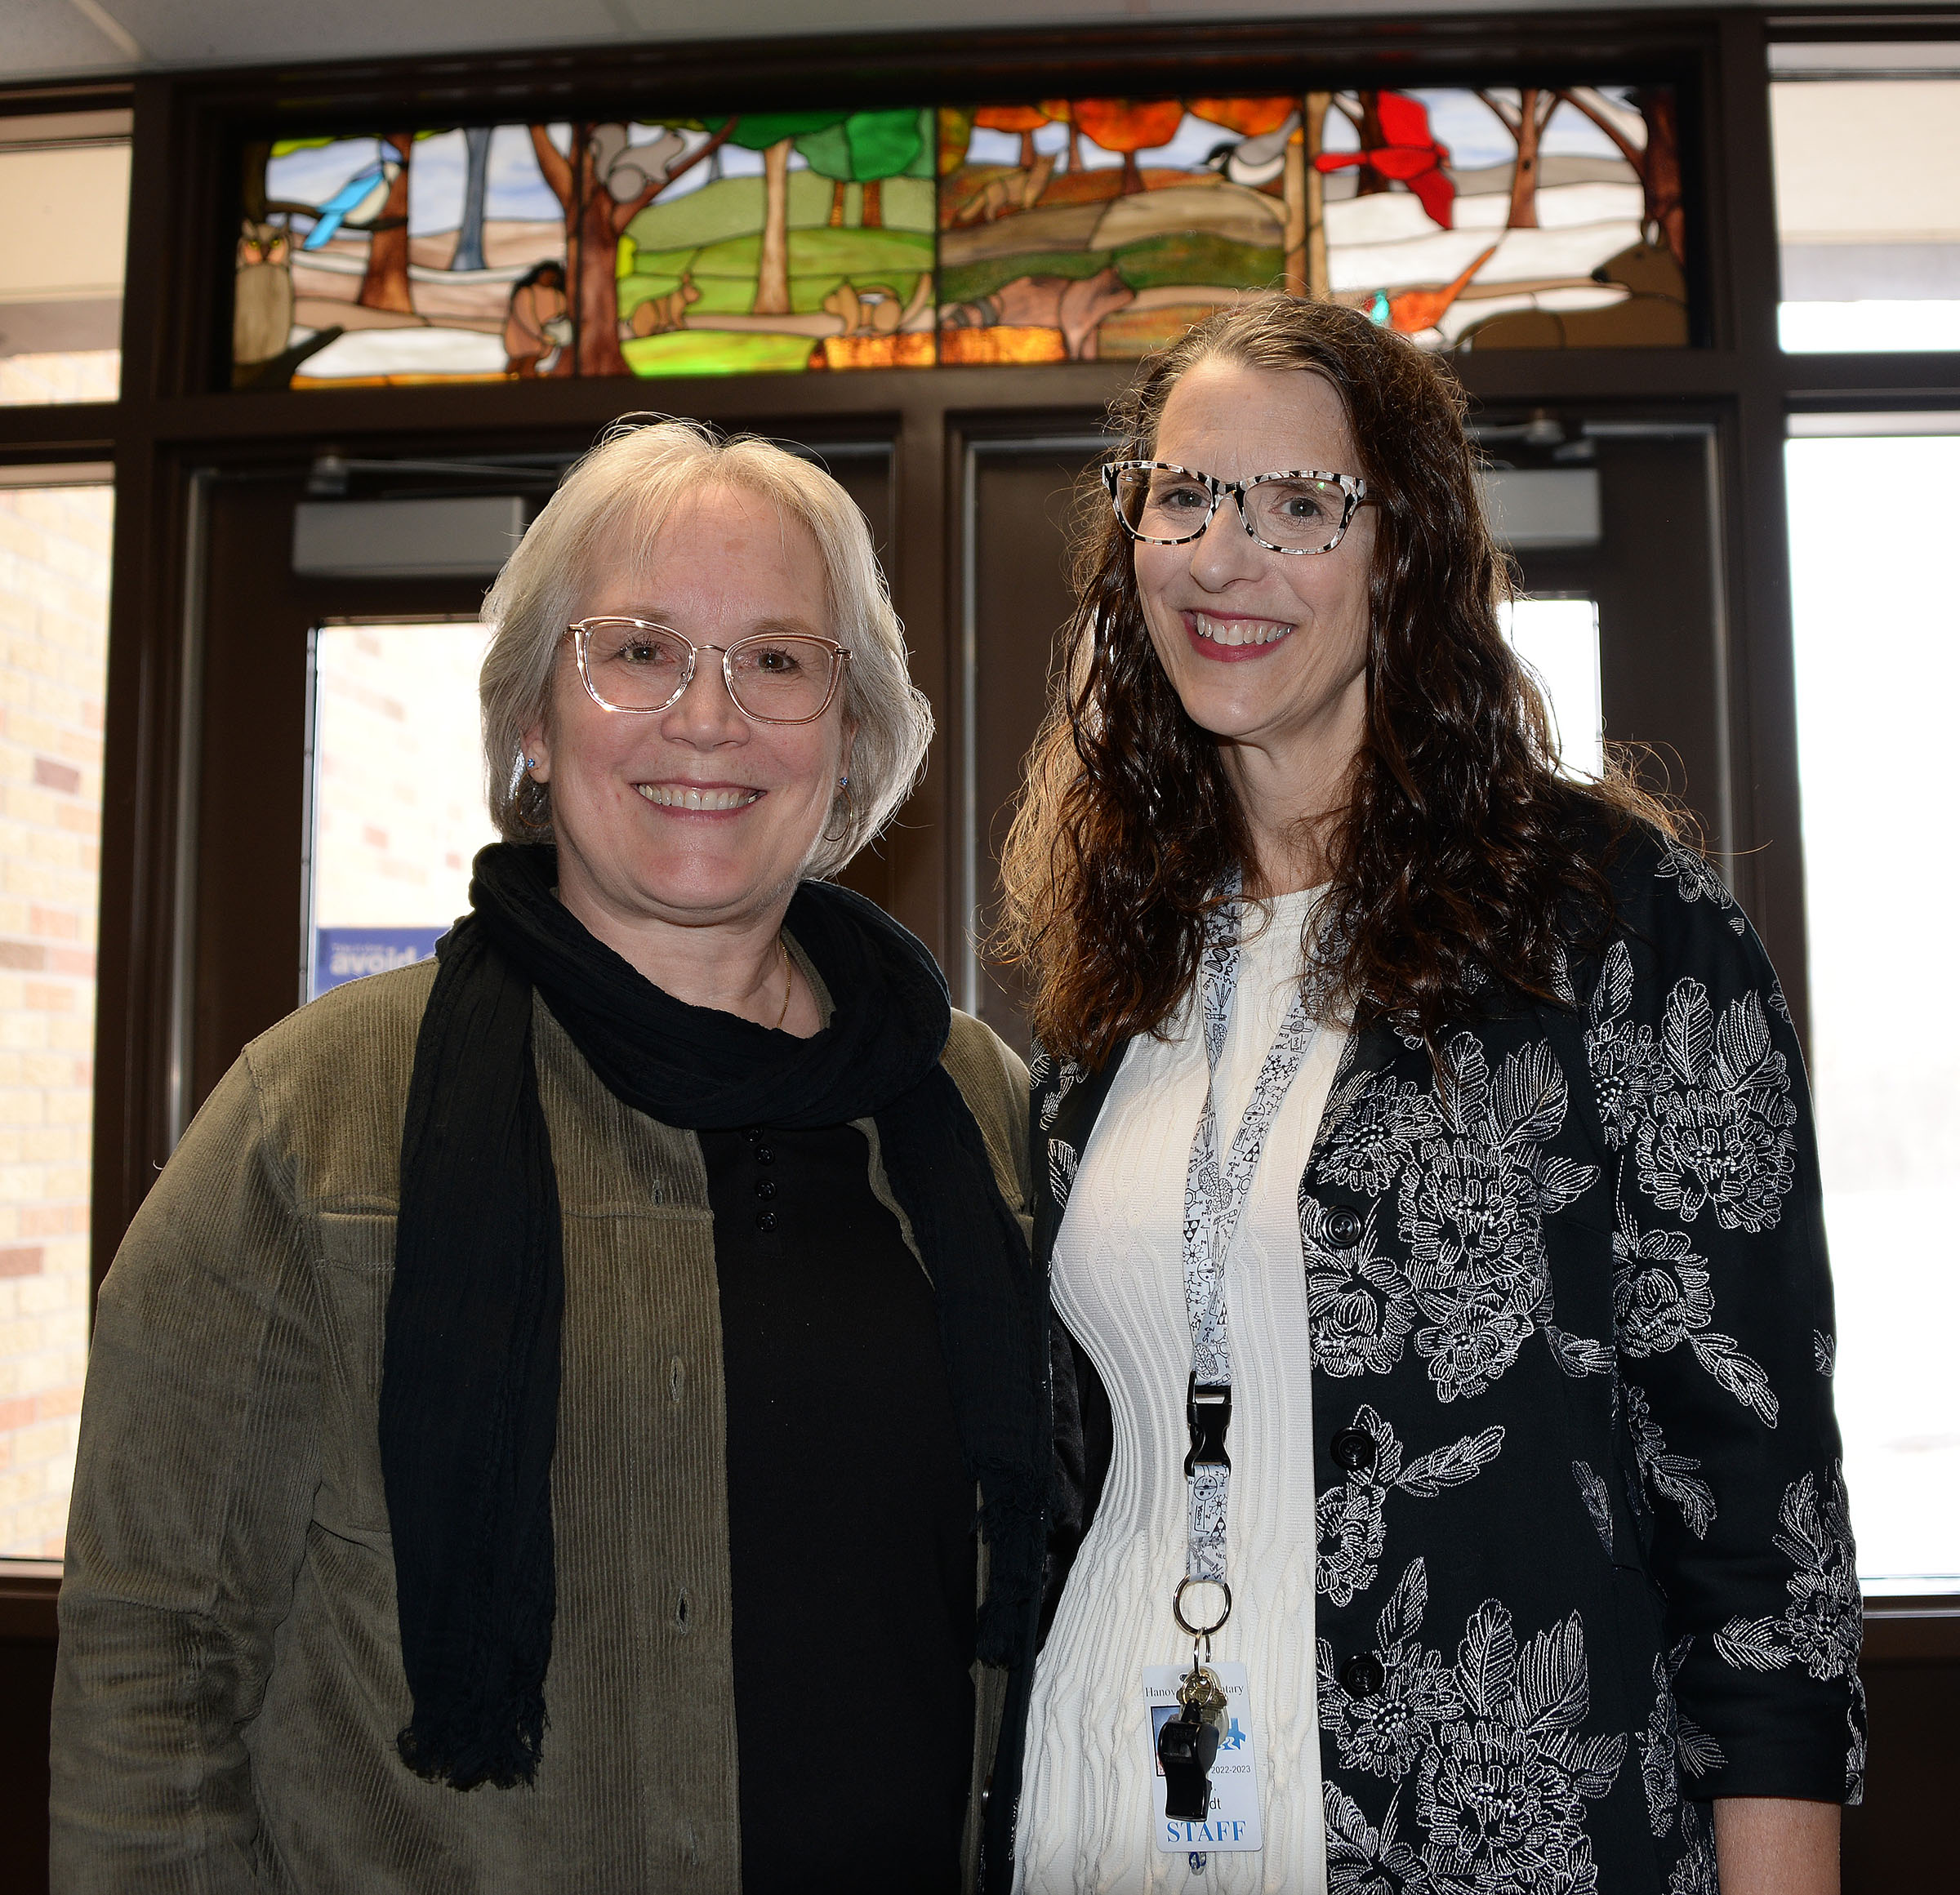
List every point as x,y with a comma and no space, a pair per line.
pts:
1249,117
1130,125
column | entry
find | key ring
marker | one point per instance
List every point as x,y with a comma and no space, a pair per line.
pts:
1176,1606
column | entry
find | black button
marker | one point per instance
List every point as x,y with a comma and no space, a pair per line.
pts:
766,1187
1344,1226
1362,1676
763,1155
765,1220
1352,1450
753,1133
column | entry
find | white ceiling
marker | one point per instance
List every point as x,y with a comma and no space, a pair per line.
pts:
42,39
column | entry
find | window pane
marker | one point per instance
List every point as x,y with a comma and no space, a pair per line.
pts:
54,620
1867,219
64,219
1558,639
398,793
1878,671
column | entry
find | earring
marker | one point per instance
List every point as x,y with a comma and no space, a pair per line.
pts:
530,763
844,782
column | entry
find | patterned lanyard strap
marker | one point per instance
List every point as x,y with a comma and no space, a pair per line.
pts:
1214,1193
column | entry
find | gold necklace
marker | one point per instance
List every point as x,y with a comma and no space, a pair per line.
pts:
789,984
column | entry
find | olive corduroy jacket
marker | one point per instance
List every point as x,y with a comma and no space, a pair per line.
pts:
230,1683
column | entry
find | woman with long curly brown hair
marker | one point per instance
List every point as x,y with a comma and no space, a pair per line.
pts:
1453,1498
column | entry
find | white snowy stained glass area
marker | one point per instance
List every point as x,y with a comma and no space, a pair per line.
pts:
1558,639
1877,672
397,793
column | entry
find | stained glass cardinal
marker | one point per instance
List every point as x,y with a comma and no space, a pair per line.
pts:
1410,153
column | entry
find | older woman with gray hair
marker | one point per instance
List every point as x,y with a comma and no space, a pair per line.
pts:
601,1369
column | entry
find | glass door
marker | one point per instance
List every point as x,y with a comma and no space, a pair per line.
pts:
395,797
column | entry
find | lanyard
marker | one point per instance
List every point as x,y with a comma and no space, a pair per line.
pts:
1214,1193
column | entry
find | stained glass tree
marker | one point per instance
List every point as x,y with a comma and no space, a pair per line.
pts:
1129,126
1024,121
595,221
865,148
468,253
774,135
1525,119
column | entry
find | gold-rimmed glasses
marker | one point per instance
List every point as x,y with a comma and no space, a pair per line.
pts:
633,665
1297,510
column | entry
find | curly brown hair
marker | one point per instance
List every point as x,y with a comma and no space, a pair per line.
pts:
1462,861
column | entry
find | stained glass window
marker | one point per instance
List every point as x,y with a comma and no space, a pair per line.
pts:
1518,218
765,243
1046,231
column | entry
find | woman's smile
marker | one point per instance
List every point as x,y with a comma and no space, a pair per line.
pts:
700,799
1227,639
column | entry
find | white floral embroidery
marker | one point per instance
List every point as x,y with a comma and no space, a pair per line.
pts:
1821,1627
1620,1052
1695,1874
1718,1132
1599,1503
1349,1520
1363,1861
1385,1732
1501,1792
1561,980
1062,1159
1577,1355
1853,1760
1671,1740
1661,1299
1693,875
1068,1075
1707,1103
1671,1474
1371,1129
1360,1304
1470,1210
1824,1351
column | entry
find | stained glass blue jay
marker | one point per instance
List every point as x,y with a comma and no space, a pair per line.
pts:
357,203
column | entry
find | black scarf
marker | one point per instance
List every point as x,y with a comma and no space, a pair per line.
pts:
468,1409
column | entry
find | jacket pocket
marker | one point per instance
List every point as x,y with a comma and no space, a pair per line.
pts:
358,1251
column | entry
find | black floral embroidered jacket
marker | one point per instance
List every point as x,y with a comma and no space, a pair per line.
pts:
1584,1563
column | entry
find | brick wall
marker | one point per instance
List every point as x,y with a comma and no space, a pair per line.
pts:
54,601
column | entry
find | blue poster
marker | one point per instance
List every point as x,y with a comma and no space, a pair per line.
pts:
340,954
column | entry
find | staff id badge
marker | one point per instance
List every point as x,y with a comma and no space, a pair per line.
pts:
1233,1821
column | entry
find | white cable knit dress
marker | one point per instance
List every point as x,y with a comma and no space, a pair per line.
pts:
1086,1810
